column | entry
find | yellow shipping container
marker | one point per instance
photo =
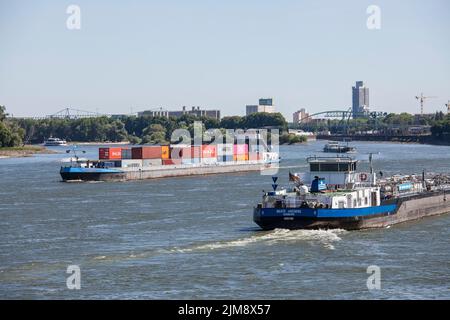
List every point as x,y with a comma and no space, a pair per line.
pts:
165,153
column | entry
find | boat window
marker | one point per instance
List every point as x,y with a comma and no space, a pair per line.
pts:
340,167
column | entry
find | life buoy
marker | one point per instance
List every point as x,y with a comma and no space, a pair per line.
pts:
363,177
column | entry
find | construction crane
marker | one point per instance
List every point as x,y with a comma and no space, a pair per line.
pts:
422,98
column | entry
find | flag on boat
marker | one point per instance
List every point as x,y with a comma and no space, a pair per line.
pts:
294,177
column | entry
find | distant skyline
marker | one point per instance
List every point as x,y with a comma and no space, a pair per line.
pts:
139,55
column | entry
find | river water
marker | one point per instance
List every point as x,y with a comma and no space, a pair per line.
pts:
194,238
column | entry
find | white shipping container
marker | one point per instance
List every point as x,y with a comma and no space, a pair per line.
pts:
151,162
224,149
209,160
255,148
131,163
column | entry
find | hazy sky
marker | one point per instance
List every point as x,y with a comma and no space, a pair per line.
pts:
221,54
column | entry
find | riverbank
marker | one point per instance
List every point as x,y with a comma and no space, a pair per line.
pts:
25,151
400,139
98,143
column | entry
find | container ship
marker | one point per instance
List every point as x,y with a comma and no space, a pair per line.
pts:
147,162
334,195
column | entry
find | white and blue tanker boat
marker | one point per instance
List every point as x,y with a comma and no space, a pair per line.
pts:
334,195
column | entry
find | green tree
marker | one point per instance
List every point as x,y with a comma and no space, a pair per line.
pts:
11,135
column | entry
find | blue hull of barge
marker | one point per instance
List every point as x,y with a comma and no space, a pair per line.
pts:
90,174
310,218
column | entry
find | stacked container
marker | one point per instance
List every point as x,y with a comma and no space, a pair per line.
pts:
148,152
166,162
225,152
110,153
132,163
126,153
209,154
255,152
151,162
240,152
165,152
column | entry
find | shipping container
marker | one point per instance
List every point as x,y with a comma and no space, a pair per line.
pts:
132,163
240,157
224,149
126,153
256,148
176,152
171,161
228,158
108,164
209,161
252,156
209,151
165,152
146,152
109,153
151,162
185,153
240,149
190,160
196,152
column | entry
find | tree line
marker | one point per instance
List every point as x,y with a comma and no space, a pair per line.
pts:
142,129
391,124
11,134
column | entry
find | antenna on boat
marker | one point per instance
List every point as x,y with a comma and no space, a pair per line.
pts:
74,152
371,160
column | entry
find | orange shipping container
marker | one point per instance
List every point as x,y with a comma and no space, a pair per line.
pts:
110,153
165,154
240,157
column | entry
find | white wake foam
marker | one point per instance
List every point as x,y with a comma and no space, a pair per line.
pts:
322,237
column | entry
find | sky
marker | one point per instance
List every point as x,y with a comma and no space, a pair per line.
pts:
139,55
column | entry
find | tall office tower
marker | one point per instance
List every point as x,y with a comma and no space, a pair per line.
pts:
360,97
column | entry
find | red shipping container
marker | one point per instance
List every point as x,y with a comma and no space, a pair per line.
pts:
153,152
196,152
209,151
186,152
240,149
110,153
166,162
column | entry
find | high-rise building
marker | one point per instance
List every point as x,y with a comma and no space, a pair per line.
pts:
265,105
360,98
301,116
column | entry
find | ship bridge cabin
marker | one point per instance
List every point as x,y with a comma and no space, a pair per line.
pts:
338,172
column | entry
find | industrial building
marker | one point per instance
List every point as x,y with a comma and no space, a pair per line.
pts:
193,111
301,116
264,105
